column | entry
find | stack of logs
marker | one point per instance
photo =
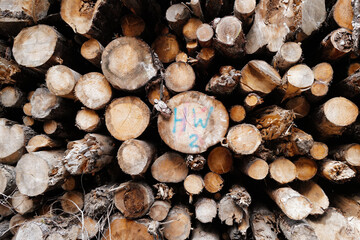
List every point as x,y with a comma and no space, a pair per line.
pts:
201,119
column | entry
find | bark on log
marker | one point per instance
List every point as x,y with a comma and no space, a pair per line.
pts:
196,7
255,168
157,90
159,210
87,120
127,118
213,182
349,153
169,168
12,97
139,67
289,54
225,82
251,101
88,155
220,160
190,29
195,162
92,50
282,170
229,212
297,143
166,47
335,171
296,229
263,223
177,15
38,171
336,44
98,201
134,156
350,86
179,77
61,80
296,80
205,210
177,224
237,134
41,142
7,179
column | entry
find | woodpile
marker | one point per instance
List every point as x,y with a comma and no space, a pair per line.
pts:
183,119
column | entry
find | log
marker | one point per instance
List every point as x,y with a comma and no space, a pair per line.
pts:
353,67
92,50
225,82
237,113
133,199
356,26
317,91
134,156
258,76
39,171
169,168
27,109
299,105
132,25
213,182
4,229
127,118
190,29
244,10
166,47
319,151
16,222
126,229
229,37
7,179
317,196
200,116
288,55
179,77
164,192
251,101
11,97
87,120
94,19
204,35
6,208
28,121
30,51
220,160
229,212
306,168
349,87
177,15
342,14
254,167
69,183
159,210
89,228
277,21
348,153
282,170
58,129
293,204
88,155
139,67
196,7
263,223
237,134
323,72
195,162
72,202
296,229
205,58
334,115
23,204
14,138
93,90
336,44
157,90
193,184
349,206
335,171
98,201
296,80
41,142
205,210
61,80
240,196
204,233
177,224
298,143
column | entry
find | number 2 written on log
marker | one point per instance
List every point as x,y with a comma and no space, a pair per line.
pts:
190,120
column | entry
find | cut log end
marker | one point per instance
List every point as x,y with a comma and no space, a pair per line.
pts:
319,150
179,77
306,168
61,80
87,120
194,184
220,160
92,50
213,182
237,135
237,113
282,170
169,168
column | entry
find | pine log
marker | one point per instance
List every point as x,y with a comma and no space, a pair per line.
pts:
41,142
202,232
205,210
350,86
296,80
92,50
306,168
139,67
263,223
38,171
196,7
225,82
126,229
72,202
293,204
236,136
190,29
251,101
229,212
204,35
98,201
289,54
61,80
7,179
237,113
240,196
296,229
258,76
133,199
244,11
297,143
195,162
11,97
201,117
282,170
23,204
349,153
166,47
319,151
177,15
342,13
169,168
336,44
94,19
87,120
277,21
88,155
299,105
335,171
159,210
13,139
157,90
132,25
316,195
333,116
69,183
134,156
193,184
127,118
254,167
213,182
177,224
220,160
229,37
179,77
93,90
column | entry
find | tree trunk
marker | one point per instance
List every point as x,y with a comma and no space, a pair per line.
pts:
336,44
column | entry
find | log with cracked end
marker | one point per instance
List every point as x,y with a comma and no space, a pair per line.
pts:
13,139
220,160
259,77
169,168
128,63
72,202
289,54
38,172
159,210
229,212
263,223
335,171
205,210
92,50
133,199
166,47
243,139
213,182
12,97
127,117
89,155
61,81
336,44
87,120
135,156
296,229
42,142
349,153
179,77
255,168
293,204
7,179
177,224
